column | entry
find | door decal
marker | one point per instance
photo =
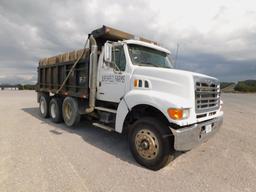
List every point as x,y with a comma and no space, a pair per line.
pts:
113,79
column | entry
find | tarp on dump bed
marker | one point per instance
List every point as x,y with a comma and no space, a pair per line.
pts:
65,57
107,33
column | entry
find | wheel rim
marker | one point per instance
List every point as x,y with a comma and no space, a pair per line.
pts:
147,144
68,110
42,106
53,110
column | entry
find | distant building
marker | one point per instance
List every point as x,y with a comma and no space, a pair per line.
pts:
9,87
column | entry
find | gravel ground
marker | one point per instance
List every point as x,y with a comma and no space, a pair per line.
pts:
37,155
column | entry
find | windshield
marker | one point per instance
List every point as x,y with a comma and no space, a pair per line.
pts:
145,56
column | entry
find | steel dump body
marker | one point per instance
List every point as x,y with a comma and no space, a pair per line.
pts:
51,77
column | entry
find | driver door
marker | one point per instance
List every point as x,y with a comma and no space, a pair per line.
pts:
111,76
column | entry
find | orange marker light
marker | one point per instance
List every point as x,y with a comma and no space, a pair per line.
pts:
175,114
136,83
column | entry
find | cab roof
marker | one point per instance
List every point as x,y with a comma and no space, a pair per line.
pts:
150,45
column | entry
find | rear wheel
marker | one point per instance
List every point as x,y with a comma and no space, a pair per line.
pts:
44,106
55,109
148,143
70,112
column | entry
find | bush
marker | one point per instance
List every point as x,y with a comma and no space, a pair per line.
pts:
246,86
26,87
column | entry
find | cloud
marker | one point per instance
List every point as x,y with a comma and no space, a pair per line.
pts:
217,38
19,79
219,66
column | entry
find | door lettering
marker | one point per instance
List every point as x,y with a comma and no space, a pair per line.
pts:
113,79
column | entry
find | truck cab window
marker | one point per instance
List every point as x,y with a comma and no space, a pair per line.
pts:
145,56
118,57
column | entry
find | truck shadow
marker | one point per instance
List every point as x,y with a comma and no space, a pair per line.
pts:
111,142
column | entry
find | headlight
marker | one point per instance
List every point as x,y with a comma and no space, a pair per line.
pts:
178,114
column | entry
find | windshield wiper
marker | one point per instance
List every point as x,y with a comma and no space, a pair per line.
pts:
148,64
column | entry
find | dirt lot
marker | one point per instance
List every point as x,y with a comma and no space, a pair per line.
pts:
37,155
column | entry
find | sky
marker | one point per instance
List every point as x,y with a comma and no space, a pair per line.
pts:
217,38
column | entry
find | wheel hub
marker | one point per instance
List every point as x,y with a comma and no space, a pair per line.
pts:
147,144
42,106
68,110
53,108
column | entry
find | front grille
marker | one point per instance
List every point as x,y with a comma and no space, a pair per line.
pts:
207,95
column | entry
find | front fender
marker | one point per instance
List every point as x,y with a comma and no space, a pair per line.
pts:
159,100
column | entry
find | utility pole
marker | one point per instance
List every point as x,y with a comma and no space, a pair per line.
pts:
176,56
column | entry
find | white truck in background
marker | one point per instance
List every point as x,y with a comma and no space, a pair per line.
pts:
130,86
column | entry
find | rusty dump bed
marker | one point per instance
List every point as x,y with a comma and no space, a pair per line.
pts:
65,57
52,71
52,75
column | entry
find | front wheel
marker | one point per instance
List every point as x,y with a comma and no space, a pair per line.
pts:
148,143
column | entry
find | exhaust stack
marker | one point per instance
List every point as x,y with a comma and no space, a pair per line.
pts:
93,75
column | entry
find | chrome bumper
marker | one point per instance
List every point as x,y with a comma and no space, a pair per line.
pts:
188,137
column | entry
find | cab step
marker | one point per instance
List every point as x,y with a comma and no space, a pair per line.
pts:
106,109
102,126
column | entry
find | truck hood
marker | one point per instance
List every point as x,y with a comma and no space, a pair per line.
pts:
171,81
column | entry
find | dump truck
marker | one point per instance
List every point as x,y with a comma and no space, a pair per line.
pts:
128,84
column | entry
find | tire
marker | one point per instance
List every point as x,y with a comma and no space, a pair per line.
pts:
70,112
55,110
148,143
44,106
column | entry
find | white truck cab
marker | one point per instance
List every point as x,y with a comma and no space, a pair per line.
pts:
162,109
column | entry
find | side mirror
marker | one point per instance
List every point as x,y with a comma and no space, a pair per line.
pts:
108,52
